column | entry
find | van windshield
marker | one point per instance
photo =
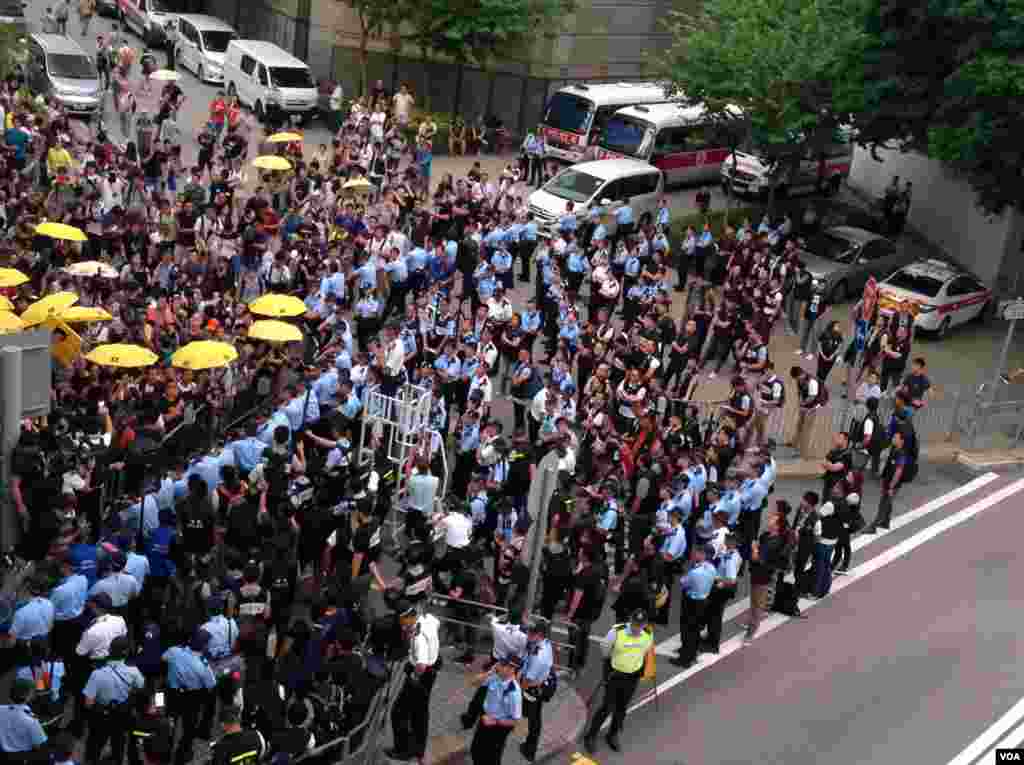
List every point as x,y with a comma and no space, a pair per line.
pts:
629,136
290,77
568,112
573,185
71,65
217,41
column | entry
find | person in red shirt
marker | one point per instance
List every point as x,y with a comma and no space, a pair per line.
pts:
218,114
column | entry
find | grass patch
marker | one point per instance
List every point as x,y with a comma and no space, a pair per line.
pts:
717,220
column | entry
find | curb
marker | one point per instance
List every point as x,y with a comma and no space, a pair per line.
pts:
939,454
459,753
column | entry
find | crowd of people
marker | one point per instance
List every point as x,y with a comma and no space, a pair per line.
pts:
270,547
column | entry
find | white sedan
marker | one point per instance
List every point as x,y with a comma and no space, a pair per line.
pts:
940,295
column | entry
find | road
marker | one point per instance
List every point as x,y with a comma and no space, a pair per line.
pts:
908,660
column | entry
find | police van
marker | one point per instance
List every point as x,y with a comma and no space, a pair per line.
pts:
751,171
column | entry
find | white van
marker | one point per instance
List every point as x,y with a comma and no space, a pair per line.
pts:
752,171
269,80
202,43
607,183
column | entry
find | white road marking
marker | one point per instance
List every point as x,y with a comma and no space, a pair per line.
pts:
737,608
995,737
865,569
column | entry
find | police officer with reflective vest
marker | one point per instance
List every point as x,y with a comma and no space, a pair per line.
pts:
148,726
237,746
107,697
627,647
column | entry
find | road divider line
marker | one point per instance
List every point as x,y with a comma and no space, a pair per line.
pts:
865,569
994,736
670,647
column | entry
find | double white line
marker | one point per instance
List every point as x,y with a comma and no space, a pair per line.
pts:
1006,733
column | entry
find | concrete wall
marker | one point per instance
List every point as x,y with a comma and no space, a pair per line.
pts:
943,210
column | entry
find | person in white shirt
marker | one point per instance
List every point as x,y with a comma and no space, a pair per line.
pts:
410,715
499,309
403,102
482,382
458,529
95,641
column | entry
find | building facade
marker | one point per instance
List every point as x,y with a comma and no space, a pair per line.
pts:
944,211
601,40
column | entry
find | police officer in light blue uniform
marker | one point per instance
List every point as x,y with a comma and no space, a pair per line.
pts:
68,599
753,493
527,244
624,223
537,664
696,587
223,631
501,262
20,731
503,707
325,388
727,570
136,565
730,503
249,453
106,696
34,619
418,260
121,587
191,683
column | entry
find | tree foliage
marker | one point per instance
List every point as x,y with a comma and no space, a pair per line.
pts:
780,62
478,30
946,78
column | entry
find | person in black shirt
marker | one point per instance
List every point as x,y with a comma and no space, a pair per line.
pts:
237,746
916,385
585,603
836,463
830,341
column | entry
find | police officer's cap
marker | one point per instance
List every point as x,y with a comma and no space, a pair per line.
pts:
638,617
709,551
200,640
120,647
215,603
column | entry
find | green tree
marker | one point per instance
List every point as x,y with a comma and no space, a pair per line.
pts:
946,78
374,17
781,63
475,31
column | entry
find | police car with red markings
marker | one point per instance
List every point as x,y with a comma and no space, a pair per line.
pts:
940,295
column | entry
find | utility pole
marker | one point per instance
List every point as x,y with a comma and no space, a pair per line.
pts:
538,502
10,427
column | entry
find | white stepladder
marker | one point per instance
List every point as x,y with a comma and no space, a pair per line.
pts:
397,426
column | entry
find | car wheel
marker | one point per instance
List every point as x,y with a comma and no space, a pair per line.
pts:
200,74
943,329
833,185
261,114
839,293
232,90
988,312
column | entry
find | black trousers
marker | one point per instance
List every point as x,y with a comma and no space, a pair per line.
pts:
619,690
691,619
580,642
717,601
195,710
410,716
107,724
533,709
488,744
843,552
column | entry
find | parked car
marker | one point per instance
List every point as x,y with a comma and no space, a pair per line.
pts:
58,67
845,257
147,18
941,295
107,8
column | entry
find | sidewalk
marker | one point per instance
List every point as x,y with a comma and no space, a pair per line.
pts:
564,718
946,452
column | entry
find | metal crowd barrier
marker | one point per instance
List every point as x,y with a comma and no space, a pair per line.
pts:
561,649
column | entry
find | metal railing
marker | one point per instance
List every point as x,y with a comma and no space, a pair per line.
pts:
561,649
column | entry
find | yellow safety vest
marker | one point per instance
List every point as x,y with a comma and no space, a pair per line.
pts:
628,651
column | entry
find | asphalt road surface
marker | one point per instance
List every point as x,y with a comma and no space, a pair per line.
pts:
909,660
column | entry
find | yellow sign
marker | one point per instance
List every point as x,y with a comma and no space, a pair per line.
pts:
67,348
581,759
891,304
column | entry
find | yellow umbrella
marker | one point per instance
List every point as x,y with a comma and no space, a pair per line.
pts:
80,314
6,304
10,323
165,75
92,268
123,355
273,304
358,183
272,162
11,277
284,138
61,231
204,354
50,307
274,331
